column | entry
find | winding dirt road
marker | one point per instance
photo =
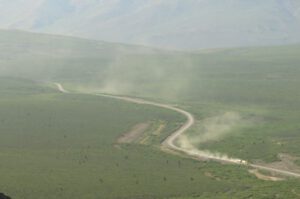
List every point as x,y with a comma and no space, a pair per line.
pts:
170,141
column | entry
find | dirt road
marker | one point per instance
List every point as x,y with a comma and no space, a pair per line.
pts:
60,88
196,154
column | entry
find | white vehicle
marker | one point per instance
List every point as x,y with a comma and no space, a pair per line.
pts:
244,162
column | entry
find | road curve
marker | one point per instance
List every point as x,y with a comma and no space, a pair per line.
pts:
169,142
61,88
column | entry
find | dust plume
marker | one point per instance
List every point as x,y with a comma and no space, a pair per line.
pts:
215,128
211,129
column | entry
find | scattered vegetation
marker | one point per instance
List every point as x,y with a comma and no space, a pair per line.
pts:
63,146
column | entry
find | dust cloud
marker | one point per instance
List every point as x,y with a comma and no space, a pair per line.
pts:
211,129
215,128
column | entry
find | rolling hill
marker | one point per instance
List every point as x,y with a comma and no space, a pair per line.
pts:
59,145
189,24
265,79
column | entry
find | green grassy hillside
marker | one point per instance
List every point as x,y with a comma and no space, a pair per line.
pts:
54,145
257,82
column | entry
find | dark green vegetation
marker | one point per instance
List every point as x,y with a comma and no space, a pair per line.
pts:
258,83
297,162
56,145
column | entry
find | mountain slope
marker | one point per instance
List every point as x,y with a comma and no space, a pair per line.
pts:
189,24
140,71
260,82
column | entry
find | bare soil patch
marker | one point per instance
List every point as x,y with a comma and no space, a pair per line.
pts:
287,162
265,177
159,129
134,134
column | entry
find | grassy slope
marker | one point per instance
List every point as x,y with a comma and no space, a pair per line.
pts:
260,82
263,83
255,82
62,146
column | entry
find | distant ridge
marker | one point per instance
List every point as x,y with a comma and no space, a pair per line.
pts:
174,24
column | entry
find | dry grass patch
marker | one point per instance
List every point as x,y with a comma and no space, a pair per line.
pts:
265,177
135,133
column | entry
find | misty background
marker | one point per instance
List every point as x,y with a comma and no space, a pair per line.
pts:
136,70
179,24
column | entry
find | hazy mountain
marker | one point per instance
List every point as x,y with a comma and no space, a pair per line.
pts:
186,24
146,72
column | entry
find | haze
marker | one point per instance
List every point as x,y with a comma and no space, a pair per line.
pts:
188,24
144,99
